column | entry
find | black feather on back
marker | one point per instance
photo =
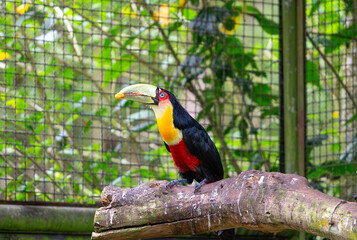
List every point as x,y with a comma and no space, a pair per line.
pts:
197,141
200,144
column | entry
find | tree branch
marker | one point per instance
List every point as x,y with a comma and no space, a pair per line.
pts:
263,201
70,31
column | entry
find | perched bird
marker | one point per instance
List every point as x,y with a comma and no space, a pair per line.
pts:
194,154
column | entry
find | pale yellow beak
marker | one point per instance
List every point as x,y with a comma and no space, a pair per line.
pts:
142,93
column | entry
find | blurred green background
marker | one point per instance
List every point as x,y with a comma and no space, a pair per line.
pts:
63,135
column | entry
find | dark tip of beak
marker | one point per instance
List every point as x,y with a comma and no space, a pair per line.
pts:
155,101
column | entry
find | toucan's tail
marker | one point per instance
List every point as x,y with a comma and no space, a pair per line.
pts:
226,234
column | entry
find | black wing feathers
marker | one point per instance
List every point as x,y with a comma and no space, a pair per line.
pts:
200,144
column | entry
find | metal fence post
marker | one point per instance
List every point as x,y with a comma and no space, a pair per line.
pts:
293,85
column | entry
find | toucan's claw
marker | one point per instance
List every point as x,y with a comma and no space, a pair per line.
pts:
203,182
175,182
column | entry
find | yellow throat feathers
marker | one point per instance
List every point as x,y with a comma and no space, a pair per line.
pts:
165,123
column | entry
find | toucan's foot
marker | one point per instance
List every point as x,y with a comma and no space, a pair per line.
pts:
175,182
203,182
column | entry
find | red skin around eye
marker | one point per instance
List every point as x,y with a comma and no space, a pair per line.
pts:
163,98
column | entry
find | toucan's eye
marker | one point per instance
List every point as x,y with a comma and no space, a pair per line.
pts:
162,95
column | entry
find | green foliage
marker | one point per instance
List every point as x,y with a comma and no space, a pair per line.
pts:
60,115
64,136
267,25
331,140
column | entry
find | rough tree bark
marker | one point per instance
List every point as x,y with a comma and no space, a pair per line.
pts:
269,202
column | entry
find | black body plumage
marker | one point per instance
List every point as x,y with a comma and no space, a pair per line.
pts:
198,143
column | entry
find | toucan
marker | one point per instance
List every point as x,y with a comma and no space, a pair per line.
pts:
194,153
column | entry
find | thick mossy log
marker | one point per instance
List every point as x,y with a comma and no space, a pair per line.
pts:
269,202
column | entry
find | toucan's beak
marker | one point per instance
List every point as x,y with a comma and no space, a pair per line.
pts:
142,93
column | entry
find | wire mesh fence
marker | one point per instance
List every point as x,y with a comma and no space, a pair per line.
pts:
63,134
331,96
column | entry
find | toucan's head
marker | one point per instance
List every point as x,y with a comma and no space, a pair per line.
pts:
169,113
162,102
145,93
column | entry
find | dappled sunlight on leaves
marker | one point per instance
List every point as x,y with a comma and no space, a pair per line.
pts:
162,15
22,9
4,55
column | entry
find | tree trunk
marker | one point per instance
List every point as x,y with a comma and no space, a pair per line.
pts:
263,201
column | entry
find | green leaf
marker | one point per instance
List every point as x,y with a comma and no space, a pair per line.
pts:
107,51
10,75
135,36
269,26
174,26
344,36
336,147
261,94
71,119
315,6
9,6
243,83
255,161
20,196
272,111
229,4
154,44
231,124
352,119
242,153
144,173
243,129
189,13
312,73
195,2
120,66
350,6
144,13
77,96
39,128
333,169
